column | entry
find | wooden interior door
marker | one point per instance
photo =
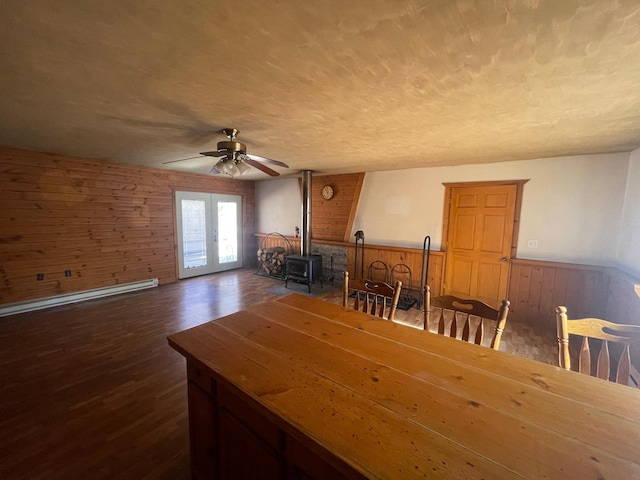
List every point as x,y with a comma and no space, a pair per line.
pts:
480,240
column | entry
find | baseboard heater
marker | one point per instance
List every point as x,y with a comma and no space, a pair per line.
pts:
39,304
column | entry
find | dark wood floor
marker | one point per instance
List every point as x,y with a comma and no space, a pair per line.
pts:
93,391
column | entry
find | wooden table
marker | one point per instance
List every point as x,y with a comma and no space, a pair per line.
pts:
301,388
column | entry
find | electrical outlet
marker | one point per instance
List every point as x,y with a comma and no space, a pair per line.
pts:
67,273
532,244
40,276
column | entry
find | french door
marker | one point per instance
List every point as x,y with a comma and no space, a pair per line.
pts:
209,233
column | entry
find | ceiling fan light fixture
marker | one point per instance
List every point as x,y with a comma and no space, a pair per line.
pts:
231,167
242,167
226,167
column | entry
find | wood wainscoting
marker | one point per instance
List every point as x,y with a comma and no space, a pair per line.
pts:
392,256
623,299
536,287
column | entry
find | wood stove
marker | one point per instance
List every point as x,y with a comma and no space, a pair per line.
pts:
304,269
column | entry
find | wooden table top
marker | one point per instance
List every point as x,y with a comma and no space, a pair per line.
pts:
396,402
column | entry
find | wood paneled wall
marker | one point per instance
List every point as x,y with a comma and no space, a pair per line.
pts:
392,256
623,298
536,288
108,223
333,219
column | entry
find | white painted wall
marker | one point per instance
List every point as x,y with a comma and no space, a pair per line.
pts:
629,243
573,205
278,206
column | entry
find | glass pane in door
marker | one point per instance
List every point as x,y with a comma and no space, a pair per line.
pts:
227,232
194,233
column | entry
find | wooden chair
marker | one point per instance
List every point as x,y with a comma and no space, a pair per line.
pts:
371,296
463,310
613,366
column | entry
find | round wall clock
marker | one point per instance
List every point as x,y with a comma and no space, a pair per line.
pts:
327,192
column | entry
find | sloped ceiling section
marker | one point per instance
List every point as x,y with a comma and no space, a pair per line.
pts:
331,86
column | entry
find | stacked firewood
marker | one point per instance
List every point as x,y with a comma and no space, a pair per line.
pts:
271,261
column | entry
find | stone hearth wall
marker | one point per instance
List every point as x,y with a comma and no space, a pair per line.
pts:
336,253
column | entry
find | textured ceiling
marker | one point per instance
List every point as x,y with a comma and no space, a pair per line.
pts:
330,86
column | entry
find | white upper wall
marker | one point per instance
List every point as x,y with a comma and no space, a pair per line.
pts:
629,242
278,206
573,205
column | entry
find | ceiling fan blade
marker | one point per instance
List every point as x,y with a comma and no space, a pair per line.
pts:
267,160
181,160
260,166
214,153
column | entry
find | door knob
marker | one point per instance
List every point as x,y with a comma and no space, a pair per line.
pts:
504,259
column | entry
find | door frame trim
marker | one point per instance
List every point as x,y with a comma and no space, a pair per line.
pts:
448,187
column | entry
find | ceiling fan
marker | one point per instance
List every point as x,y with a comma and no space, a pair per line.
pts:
235,159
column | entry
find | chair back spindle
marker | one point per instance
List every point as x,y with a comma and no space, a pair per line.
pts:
606,334
463,313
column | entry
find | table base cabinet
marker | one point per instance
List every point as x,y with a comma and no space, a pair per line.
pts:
232,439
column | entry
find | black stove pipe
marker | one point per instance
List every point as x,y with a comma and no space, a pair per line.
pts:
305,239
